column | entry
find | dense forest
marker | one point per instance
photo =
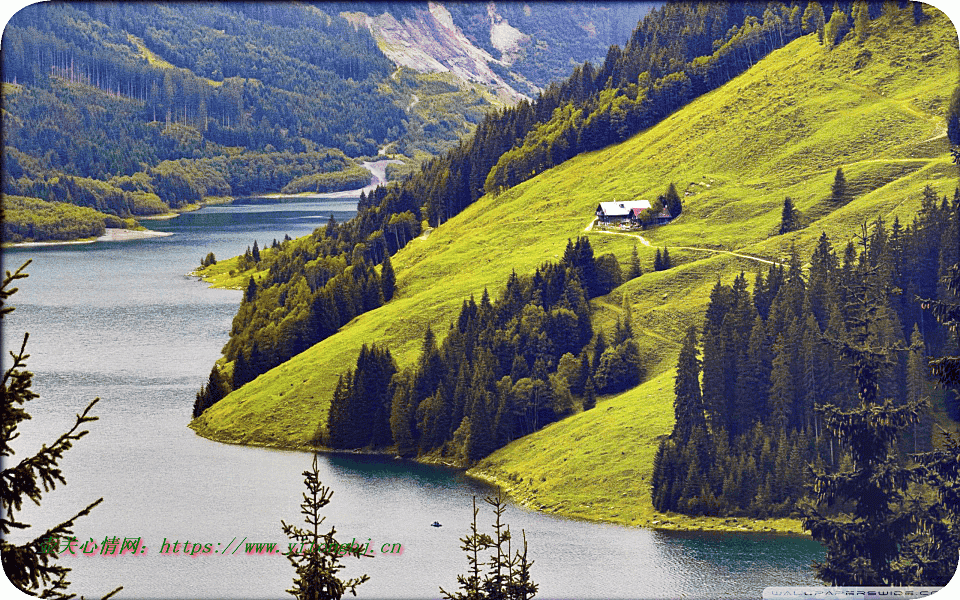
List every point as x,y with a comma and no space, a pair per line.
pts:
31,219
96,92
771,360
134,109
504,370
391,216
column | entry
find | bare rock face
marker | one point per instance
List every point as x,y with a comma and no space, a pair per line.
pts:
504,37
432,43
513,49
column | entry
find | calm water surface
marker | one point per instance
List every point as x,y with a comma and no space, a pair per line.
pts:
124,322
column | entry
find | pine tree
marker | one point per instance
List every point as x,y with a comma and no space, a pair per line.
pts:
672,201
256,252
635,270
508,572
658,261
861,20
688,402
599,347
589,394
916,388
388,279
953,118
481,442
402,414
782,390
837,27
667,264
753,382
864,540
838,192
933,552
241,370
788,217
342,424
814,19
214,391
31,566
315,555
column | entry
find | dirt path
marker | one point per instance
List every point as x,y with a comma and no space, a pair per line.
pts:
693,248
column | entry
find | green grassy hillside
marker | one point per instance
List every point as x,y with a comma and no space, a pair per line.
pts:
782,128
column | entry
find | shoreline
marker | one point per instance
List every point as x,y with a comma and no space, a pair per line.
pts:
110,235
663,522
674,522
163,217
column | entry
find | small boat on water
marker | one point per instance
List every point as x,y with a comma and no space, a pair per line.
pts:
435,524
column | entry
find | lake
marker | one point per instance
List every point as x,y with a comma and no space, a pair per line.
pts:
124,322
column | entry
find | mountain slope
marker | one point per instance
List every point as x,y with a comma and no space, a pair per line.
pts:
809,111
133,109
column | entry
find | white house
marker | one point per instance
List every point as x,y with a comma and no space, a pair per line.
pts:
611,212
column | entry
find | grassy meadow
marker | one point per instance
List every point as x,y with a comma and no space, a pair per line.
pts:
875,109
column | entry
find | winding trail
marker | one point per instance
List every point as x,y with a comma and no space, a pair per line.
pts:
643,241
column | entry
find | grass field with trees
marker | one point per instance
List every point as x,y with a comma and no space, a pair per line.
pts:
874,108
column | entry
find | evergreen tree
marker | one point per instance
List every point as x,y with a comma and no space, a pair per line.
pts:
635,270
916,388
388,279
241,370
32,566
667,264
658,261
836,28
814,19
788,217
861,20
589,394
314,555
688,402
953,118
753,383
255,254
874,518
932,553
838,192
672,201
214,391
481,441
341,425
402,415
599,347
507,576
782,390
